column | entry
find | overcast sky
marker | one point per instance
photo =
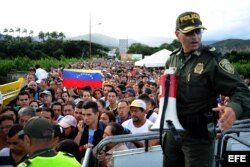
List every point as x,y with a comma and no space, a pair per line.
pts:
126,18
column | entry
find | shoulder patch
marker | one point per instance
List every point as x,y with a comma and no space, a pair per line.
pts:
226,66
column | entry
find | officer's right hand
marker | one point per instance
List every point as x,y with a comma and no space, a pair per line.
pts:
227,117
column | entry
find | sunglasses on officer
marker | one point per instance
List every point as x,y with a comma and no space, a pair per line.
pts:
196,31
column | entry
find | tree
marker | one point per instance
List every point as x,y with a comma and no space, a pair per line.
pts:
236,57
5,30
47,35
31,33
175,44
139,48
61,35
54,35
25,31
136,48
18,30
11,30
41,35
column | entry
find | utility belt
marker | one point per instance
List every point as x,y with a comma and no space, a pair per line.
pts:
200,125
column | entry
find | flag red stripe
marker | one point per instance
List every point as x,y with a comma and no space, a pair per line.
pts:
81,83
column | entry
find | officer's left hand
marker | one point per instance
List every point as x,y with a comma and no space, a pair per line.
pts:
227,117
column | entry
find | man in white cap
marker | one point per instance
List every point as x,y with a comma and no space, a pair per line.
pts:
69,123
138,122
46,98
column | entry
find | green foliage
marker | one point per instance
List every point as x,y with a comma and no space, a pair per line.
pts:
51,44
6,66
146,50
20,53
174,45
238,56
243,69
138,48
49,62
24,63
241,61
59,52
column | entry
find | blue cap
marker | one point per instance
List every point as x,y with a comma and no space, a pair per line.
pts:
130,90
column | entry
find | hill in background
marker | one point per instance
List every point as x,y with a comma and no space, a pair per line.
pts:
224,46
229,45
114,42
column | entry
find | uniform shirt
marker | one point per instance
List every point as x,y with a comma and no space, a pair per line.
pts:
49,158
201,77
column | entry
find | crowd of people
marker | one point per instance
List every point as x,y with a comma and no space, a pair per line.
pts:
51,124
81,117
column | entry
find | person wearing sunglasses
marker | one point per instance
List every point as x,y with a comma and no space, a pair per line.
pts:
201,76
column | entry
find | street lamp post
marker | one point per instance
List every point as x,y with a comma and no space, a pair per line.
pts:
90,25
90,36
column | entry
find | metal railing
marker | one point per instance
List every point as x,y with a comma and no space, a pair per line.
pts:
232,133
87,156
126,138
238,126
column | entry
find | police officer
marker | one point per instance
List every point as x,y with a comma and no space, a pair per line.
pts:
201,76
38,134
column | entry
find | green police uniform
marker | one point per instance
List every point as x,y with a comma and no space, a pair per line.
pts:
201,77
50,158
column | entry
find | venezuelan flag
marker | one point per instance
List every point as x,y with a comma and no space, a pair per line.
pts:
81,78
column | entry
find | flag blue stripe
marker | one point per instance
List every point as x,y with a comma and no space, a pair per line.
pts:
81,75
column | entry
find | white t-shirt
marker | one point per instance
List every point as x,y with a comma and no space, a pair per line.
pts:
134,130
